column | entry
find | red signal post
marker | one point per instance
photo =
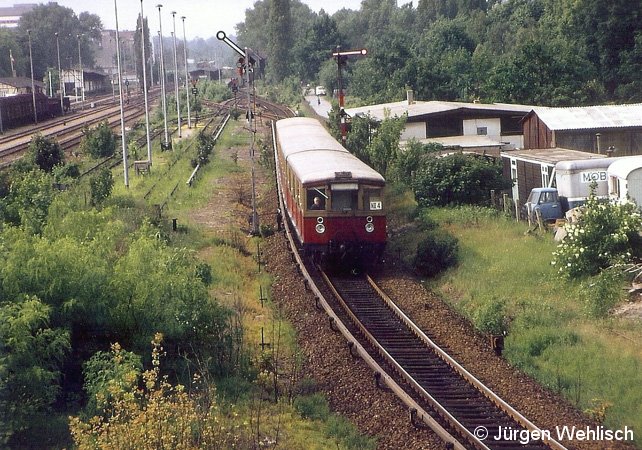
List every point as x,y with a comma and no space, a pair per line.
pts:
342,59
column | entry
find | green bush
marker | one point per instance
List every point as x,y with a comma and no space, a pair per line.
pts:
436,253
101,186
457,180
45,153
98,142
490,317
601,237
602,292
313,406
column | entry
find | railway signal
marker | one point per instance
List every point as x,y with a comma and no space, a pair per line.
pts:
342,60
245,67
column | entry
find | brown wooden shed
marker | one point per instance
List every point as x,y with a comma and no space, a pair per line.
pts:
592,129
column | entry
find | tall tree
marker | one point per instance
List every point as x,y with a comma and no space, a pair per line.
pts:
310,52
279,39
44,21
9,47
138,51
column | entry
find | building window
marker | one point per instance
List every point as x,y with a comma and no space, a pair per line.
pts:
482,131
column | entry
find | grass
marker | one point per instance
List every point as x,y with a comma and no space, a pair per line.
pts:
237,283
594,363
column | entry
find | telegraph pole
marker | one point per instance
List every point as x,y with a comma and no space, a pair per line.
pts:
120,96
167,144
178,102
142,40
33,86
189,119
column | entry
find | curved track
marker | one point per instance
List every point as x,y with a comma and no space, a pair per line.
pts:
437,390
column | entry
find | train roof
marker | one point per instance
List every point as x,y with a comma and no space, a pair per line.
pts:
315,156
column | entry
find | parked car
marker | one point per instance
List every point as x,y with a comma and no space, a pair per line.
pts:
546,201
320,90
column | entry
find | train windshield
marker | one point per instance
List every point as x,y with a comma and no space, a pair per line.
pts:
345,196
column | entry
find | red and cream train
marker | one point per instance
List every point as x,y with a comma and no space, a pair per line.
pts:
333,199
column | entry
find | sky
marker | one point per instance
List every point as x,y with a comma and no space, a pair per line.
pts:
203,18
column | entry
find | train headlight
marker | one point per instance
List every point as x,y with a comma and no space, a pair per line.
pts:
320,228
319,219
369,219
370,227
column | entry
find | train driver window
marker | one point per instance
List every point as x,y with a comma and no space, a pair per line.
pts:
316,199
372,200
345,197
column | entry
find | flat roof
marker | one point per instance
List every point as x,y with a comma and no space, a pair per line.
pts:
20,82
549,155
470,141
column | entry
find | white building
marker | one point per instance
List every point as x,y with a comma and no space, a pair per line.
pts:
10,15
477,127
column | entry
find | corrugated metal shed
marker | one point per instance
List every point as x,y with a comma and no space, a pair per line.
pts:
591,117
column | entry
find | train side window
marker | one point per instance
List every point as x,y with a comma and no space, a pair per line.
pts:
316,199
372,200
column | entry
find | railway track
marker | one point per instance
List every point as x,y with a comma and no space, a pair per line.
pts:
460,403
438,392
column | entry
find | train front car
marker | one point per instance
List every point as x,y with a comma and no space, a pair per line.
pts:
333,199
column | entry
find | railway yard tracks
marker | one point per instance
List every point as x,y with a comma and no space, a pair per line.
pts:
67,130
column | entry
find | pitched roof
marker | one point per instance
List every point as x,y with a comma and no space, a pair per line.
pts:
589,117
419,108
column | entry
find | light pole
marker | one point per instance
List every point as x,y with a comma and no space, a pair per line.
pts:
142,40
62,107
33,84
120,96
82,75
166,144
189,119
178,102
